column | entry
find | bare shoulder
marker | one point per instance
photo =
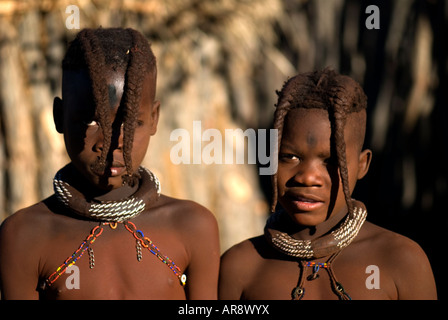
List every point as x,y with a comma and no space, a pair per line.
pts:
24,224
27,228
193,228
247,256
186,214
393,246
402,259
237,267
33,228
245,250
234,262
191,223
23,237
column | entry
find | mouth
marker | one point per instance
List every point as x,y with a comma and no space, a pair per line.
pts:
304,202
116,168
112,169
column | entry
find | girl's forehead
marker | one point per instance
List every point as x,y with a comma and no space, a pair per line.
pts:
309,126
311,117
312,124
78,86
79,80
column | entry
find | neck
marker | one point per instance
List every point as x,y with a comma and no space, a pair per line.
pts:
323,242
127,204
118,194
77,180
310,233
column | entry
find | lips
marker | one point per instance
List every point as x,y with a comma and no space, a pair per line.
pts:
116,168
304,202
116,171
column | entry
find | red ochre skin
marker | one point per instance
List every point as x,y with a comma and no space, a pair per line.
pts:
36,240
310,191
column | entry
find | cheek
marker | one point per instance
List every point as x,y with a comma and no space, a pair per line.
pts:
139,147
352,163
81,142
334,177
75,141
283,175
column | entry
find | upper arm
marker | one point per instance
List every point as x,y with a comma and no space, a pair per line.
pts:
201,232
414,278
236,266
229,288
18,265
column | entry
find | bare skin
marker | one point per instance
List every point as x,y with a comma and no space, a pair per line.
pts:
254,270
38,239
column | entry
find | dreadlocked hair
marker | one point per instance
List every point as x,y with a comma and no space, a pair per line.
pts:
338,94
98,50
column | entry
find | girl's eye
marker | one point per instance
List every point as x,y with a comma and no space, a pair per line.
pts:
331,161
288,157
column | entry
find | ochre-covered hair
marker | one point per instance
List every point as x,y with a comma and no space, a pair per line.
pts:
338,94
117,49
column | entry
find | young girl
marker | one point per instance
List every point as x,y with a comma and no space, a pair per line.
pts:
317,244
108,232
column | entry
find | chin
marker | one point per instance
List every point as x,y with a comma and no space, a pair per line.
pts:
112,183
306,219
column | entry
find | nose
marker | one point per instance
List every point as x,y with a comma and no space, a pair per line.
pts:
308,174
116,139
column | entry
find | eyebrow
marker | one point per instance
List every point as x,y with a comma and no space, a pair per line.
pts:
286,145
326,155
322,154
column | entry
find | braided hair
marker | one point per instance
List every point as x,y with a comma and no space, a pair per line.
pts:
338,94
99,50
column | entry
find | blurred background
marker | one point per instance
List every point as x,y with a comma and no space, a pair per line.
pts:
220,63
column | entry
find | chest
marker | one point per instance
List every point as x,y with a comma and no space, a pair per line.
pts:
115,265
358,279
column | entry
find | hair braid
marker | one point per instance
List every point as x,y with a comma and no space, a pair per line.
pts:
95,61
280,114
131,97
340,111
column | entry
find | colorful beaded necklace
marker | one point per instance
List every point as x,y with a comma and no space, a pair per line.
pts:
111,213
299,291
141,240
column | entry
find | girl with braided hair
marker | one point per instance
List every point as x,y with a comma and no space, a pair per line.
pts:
321,122
107,232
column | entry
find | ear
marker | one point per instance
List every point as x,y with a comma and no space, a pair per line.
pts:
155,112
58,114
365,158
